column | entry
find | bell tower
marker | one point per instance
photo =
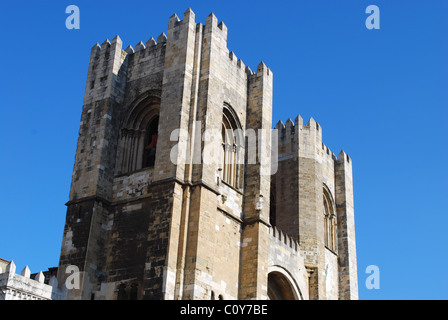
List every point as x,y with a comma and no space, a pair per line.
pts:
149,215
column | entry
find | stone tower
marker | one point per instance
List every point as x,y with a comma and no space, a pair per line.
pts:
172,198
312,201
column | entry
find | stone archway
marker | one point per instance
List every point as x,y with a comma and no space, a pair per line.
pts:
281,286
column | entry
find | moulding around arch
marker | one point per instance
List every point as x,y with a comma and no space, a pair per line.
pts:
283,271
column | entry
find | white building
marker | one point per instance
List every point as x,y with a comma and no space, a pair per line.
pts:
21,287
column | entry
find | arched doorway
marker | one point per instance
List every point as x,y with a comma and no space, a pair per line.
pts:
280,287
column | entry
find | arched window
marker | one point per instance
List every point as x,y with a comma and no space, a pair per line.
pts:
329,221
233,149
152,135
139,135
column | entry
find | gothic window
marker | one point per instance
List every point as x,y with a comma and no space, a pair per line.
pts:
329,221
233,150
152,135
138,136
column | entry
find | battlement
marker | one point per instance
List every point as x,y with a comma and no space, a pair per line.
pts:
217,29
211,24
344,157
21,287
110,56
237,62
283,238
105,47
292,128
295,133
106,73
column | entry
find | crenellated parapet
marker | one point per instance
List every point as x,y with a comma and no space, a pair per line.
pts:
283,238
106,76
21,286
296,136
111,66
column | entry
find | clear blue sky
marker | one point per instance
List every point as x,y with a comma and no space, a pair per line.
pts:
381,95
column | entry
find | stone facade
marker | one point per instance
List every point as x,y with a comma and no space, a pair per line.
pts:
147,222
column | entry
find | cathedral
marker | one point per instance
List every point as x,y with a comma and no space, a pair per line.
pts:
184,189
